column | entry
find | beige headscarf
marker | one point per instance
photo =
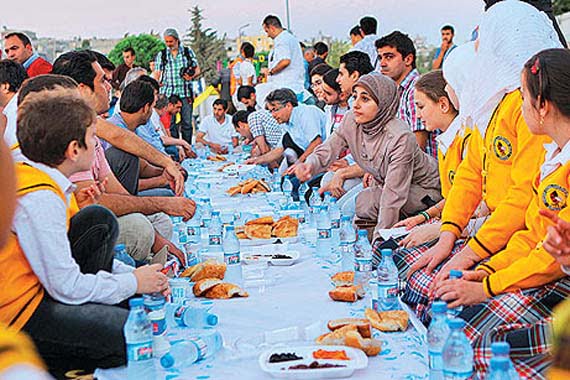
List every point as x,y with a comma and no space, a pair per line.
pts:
385,93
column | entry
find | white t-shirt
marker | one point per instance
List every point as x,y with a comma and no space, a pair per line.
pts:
218,133
10,137
293,76
247,70
368,46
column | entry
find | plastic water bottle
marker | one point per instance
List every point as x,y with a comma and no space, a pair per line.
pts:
138,336
189,315
155,305
215,233
327,198
387,282
453,313
347,236
324,238
276,181
303,188
232,256
457,353
315,200
362,259
334,212
499,369
122,255
287,187
182,239
437,335
501,350
201,344
193,227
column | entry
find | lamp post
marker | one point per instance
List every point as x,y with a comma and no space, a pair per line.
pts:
240,30
288,15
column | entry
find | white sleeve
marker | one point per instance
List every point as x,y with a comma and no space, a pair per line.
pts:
281,51
120,267
315,123
204,125
42,234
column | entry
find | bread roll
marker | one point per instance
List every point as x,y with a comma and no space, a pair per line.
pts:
343,279
225,291
210,269
347,293
362,324
202,286
388,321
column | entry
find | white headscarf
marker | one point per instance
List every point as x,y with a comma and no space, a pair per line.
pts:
458,72
510,33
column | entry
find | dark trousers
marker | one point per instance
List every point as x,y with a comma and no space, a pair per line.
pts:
84,336
126,167
186,122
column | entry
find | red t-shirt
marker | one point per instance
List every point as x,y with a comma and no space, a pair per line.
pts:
38,67
166,119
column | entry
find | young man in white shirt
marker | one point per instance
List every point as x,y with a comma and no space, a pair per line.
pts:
247,76
217,131
12,75
61,284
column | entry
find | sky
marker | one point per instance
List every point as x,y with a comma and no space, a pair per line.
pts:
114,18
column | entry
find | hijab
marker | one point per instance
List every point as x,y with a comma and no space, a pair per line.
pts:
458,71
385,93
510,33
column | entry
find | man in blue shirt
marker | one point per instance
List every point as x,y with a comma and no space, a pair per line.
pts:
303,128
447,45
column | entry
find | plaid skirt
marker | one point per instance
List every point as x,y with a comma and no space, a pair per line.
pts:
522,318
416,288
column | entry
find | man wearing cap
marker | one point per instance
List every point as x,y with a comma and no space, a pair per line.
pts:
175,68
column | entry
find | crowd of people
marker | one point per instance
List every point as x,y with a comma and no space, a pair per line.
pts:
472,158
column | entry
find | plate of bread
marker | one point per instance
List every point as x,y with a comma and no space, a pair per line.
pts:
217,158
266,230
345,290
249,186
208,281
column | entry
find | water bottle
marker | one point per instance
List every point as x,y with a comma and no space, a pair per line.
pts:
232,256
138,336
453,313
334,212
276,181
182,239
501,350
200,345
215,233
315,200
193,227
155,307
287,187
303,188
180,290
499,369
122,255
362,259
457,353
437,335
387,282
327,198
323,233
347,236
189,315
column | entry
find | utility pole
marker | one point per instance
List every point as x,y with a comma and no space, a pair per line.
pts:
288,15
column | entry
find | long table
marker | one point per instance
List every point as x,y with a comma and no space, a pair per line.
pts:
296,306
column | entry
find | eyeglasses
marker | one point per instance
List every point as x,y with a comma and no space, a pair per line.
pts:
274,110
317,83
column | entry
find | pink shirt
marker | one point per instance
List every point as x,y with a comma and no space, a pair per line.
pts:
99,170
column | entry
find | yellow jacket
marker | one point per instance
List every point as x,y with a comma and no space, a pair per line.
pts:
498,169
449,162
22,291
524,263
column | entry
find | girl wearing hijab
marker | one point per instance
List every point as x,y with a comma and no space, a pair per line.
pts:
512,295
502,155
384,147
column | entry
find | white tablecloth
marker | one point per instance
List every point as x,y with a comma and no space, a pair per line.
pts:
298,298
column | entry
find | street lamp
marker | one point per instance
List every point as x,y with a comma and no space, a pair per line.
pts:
288,15
240,29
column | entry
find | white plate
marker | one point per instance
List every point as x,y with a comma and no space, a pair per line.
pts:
238,168
281,370
286,262
253,242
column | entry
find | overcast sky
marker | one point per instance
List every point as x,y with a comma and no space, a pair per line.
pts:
114,18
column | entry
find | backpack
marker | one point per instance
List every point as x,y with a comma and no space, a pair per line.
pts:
185,52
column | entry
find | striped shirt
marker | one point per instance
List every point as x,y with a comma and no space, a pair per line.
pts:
172,82
408,113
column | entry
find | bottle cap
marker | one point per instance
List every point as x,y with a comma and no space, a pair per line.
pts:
327,193
345,217
500,348
216,213
363,233
439,307
120,247
212,320
167,361
230,227
500,363
135,302
456,323
333,200
386,252
455,273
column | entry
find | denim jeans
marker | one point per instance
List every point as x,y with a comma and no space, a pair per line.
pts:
90,335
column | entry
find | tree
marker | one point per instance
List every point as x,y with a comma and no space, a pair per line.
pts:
337,48
208,47
560,6
146,48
